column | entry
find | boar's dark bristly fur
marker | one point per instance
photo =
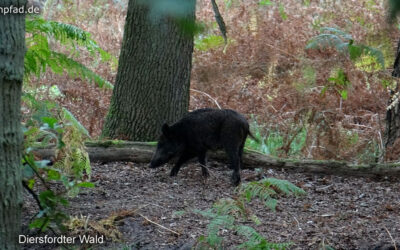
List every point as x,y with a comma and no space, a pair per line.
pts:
200,131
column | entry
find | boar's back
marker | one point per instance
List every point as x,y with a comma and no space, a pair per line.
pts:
212,128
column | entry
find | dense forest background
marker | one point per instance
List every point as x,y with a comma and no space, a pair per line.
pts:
306,102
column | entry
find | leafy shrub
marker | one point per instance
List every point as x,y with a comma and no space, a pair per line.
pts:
338,82
344,42
207,42
41,129
47,124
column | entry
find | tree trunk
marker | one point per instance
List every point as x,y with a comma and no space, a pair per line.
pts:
396,66
153,79
392,132
12,51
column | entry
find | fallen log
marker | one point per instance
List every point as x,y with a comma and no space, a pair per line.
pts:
141,152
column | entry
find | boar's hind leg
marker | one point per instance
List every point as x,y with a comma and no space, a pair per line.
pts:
182,159
203,163
233,154
241,154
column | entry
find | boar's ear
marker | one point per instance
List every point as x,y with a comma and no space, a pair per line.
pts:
165,130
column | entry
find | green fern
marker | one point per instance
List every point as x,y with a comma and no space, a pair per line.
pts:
230,206
330,37
36,62
217,222
39,56
73,157
65,34
266,189
257,189
229,214
256,240
284,186
344,43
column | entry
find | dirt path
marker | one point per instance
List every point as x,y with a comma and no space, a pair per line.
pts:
344,213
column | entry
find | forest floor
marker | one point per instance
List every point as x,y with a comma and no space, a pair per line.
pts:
340,212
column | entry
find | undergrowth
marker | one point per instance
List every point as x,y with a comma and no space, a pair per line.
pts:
273,141
232,216
48,125
308,80
44,126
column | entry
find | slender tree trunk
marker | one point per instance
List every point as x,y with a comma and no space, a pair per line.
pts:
153,79
396,66
12,51
392,132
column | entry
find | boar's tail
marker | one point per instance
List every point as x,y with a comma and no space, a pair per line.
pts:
253,137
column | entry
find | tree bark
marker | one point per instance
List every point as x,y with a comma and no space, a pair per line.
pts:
141,152
392,132
153,79
396,65
12,51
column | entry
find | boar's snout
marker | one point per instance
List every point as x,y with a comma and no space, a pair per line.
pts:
158,159
154,163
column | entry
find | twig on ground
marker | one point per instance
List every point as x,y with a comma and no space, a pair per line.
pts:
298,223
323,188
155,223
153,204
391,238
129,213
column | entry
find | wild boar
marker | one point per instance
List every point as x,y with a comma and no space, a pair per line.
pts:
200,131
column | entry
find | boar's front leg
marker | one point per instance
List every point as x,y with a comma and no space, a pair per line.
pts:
203,163
184,157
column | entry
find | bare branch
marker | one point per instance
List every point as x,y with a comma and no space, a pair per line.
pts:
220,21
